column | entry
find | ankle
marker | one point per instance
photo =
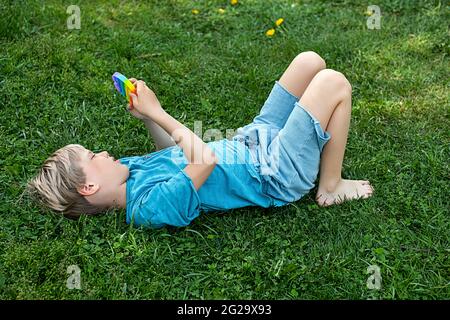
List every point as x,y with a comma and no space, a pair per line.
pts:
329,185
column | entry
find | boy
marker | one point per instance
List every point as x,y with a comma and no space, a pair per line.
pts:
272,161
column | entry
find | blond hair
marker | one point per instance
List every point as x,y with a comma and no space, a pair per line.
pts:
55,186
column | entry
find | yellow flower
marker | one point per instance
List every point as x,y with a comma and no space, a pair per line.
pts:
195,11
221,10
270,32
234,2
279,22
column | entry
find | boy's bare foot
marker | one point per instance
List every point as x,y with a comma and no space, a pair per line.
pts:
345,190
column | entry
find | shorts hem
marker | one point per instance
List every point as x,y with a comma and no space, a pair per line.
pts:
286,90
323,136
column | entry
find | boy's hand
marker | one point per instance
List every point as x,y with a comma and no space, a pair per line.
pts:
145,102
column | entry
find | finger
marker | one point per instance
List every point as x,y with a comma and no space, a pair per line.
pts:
133,80
139,86
129,106
133,101
143,84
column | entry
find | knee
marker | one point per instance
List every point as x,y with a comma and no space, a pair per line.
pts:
334,79
310,60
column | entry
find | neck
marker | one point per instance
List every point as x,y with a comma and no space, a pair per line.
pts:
120,198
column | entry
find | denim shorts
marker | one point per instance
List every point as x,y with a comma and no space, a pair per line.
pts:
285,142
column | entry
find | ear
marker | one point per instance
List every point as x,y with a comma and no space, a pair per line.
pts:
88,189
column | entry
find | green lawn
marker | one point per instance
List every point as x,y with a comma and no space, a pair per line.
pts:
56,89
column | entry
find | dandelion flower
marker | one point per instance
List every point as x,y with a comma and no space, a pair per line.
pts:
195,11
270,32
279,22
221,10
234,2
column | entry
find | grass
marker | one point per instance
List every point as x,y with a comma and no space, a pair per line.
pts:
56,89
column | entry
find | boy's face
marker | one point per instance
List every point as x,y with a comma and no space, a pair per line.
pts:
104,174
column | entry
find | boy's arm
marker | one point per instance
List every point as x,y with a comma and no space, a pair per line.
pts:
161,138
201,158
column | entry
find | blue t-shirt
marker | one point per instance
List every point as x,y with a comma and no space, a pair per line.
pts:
160,193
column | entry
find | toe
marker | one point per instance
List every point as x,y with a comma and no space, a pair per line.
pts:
368,193
323,202
368,188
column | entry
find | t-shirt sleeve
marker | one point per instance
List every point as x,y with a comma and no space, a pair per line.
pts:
174,202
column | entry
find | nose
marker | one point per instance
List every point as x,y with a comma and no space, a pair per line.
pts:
105,154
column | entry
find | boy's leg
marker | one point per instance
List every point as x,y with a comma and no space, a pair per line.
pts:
294,80
328,98
301,71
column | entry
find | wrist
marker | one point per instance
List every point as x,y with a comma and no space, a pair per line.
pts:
155,114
